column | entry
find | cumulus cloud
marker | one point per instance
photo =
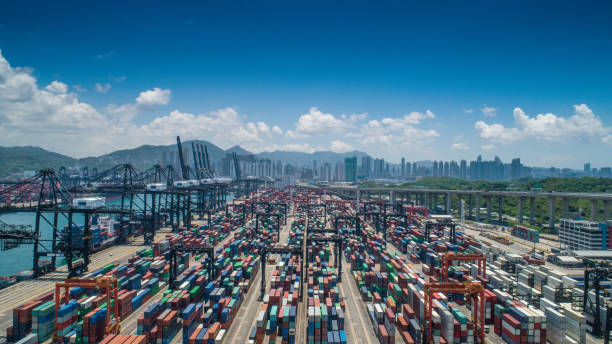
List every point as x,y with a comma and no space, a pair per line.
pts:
340,147
32,114
489,111
398,131
146,101
460,146
153,97
223,127
316,122
103,88
582,125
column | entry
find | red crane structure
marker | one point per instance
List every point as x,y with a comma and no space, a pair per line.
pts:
448,258
474,292
108,285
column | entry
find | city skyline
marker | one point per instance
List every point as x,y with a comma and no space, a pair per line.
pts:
438,87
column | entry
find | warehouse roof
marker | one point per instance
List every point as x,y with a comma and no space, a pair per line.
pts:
605,254
567,260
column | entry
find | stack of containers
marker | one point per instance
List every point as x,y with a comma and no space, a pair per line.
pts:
94,325
67,316
575,324
325,311
22,318
524,325
22,321
43,320
277,316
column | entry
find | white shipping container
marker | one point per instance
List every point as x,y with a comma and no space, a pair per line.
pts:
89,202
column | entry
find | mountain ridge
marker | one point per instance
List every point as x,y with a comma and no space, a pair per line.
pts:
17,159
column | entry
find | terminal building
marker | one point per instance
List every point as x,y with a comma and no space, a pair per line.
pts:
584,235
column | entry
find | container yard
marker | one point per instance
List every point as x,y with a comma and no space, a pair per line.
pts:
297,265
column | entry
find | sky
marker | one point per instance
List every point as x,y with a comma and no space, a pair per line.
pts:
421,80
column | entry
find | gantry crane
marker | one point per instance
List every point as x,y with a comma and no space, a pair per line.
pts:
448,258
593,275
293,250
107,285
203,249
475,293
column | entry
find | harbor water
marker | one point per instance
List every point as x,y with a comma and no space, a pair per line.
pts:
19,259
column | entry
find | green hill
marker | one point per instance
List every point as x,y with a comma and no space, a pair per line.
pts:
19,159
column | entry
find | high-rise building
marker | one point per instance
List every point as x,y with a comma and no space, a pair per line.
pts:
366,166
415,168
407,169
587,168
515,168
435,169
350,169
403,172
446,169
463,169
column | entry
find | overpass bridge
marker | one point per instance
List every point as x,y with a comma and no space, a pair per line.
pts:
431,198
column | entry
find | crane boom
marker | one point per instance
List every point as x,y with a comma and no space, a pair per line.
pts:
195,161
207,160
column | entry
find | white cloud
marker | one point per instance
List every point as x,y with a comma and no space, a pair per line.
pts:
489,111
488,147
468,111
57,87
340,147
78,88
292,147
146,101
316,122
103,88
497,132
276,129
33,115
153,97
459,146
398,131
118,79
583,125
223,127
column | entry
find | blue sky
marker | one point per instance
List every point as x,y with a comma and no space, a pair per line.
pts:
438,81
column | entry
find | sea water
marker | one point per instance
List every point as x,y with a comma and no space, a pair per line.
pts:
20,258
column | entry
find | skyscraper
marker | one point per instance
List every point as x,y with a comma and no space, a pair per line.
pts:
350,169
463,169
403,173
515,168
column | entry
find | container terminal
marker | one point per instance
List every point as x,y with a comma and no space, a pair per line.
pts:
176,262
